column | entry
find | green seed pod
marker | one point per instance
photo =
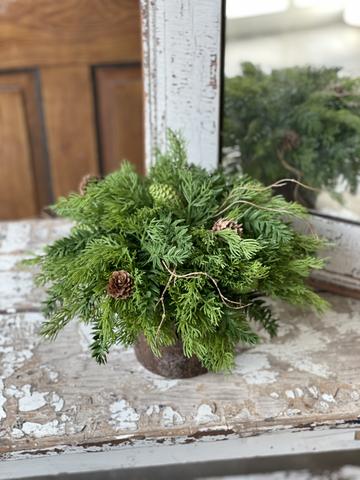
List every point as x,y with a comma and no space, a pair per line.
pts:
164,194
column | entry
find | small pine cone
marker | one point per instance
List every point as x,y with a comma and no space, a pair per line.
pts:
85,182
120,285
290,141
224,223
163,194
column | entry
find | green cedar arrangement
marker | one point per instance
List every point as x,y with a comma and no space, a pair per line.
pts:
301,122
178,254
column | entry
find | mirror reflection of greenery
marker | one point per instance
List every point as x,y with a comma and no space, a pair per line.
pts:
300,122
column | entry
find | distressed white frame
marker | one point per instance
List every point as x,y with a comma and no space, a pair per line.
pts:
181,57
182,73
123,461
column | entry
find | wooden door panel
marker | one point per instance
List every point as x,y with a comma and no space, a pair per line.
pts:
17,195
120,115
25,184
27,82
69,118
55,32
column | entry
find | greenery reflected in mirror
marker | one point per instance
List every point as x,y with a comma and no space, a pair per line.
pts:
288,111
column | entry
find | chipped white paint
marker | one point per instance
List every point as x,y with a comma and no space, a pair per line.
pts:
2,400
18,324
243,415
14,356
255,368
274,395
323,406
296,393
85,337
17,433
290,394
30,400
314,391
16,237
290,412
15,289
298,351
8,262
12,391
40,430
153,409
52,375
205,414
56,402
171,418
123,416
162,384
299,392
181,43
355,395
328,398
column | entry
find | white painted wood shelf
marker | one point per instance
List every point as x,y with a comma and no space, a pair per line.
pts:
54,397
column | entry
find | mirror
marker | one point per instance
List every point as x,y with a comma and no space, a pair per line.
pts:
292,99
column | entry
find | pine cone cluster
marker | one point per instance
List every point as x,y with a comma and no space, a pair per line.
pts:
224,223
120,285
85,182
163,194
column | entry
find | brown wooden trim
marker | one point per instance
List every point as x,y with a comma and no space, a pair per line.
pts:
119,107
69,115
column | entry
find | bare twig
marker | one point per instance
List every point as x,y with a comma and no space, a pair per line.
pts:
161,300
229,303
283,181
279,183
291,169
173,275
260,207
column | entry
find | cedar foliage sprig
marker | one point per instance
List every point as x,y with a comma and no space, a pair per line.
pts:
182,279
301,122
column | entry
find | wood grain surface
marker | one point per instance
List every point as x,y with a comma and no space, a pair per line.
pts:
25,133
53,395
69,117
47,32
18,189
120,115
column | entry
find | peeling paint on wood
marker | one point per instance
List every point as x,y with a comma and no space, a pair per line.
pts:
40,430
123,416
53,394
205,414
2,400
171,417
181,44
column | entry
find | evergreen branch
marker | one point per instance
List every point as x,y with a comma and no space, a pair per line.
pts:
118,269
226,301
